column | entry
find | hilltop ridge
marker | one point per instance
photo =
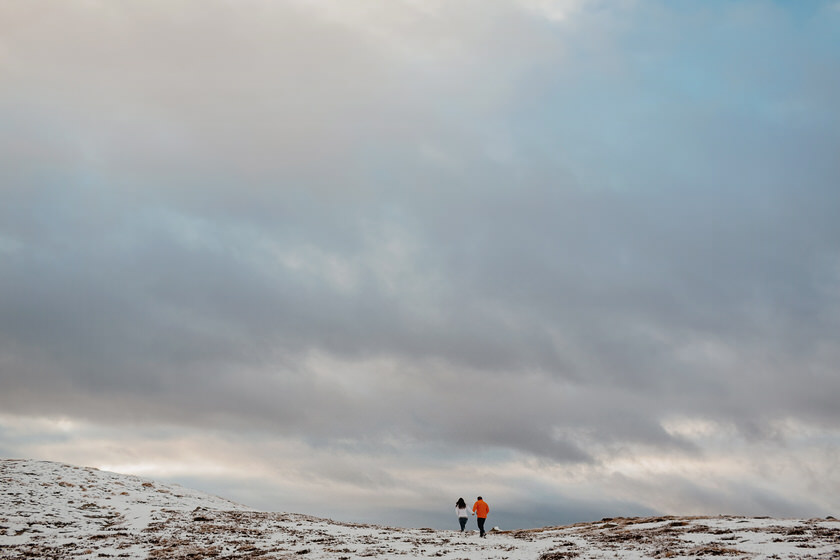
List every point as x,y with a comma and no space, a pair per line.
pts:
54,510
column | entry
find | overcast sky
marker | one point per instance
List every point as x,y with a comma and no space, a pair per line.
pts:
359,258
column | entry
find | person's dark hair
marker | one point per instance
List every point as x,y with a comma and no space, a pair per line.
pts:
461,503
479,498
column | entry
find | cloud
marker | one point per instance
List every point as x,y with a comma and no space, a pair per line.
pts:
535,230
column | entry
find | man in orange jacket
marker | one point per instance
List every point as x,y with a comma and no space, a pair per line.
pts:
480,510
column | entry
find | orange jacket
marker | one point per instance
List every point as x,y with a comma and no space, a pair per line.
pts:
481,509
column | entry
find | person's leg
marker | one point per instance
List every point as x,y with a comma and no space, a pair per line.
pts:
481,521
463,521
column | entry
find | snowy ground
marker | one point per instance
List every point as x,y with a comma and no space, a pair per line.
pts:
52,510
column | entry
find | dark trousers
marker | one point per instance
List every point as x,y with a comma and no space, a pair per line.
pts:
463,522
481,521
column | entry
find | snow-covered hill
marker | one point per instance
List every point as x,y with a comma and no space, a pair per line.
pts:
52,510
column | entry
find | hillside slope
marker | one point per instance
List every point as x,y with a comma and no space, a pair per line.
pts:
52,510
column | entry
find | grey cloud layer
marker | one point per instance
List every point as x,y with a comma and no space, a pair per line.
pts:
581,226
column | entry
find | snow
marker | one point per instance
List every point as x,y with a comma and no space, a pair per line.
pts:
53,510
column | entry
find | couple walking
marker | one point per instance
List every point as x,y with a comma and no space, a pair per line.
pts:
480,510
